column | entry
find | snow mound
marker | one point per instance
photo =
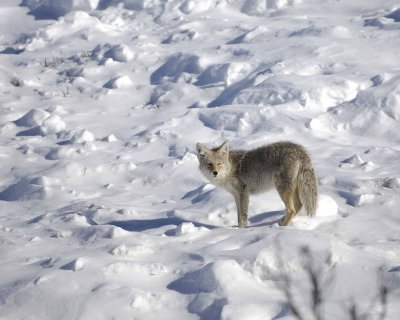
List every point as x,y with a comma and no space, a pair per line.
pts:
334,31
362,200
250,36
51,125
124,251
238,119
122,82
216,290
262,7
41,122
354,159
120,53
135,269
38,188
327,210
395,15
81,136
110,138
286,257
321,94
269,92
191,6
373,112
62,153
32,118
389,21
50,9
392,183
327,207
175,66
75,265
188,228
147,302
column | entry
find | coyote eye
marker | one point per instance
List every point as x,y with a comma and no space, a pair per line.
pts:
219,164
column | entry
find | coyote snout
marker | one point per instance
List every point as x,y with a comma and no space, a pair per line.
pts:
284,165
214,168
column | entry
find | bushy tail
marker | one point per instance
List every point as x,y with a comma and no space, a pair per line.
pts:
308,188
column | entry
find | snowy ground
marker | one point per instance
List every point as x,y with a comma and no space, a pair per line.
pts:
103,212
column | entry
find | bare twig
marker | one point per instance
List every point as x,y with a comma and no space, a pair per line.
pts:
315,280
384,292
319,282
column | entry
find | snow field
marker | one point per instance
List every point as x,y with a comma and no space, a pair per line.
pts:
103,212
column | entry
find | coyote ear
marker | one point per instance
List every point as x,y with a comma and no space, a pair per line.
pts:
201,149
224,147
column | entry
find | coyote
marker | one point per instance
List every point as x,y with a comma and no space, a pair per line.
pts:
283,165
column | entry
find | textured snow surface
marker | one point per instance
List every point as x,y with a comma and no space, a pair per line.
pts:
103,211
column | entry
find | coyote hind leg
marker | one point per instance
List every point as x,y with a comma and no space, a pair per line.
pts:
288,195
296,201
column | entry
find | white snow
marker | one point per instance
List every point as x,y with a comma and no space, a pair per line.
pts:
122,82
103,211
34,117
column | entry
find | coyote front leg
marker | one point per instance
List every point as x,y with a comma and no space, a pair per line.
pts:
241,196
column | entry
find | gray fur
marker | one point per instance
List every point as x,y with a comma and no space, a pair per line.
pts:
285,166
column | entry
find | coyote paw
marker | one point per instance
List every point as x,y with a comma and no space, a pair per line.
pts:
235,226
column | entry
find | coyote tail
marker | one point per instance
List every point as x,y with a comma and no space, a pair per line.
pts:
308,188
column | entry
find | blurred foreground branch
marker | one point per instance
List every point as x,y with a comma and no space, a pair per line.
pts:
306,305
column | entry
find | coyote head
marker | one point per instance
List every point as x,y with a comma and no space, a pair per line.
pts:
214,163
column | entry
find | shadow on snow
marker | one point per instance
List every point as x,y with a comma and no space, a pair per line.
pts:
148,224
